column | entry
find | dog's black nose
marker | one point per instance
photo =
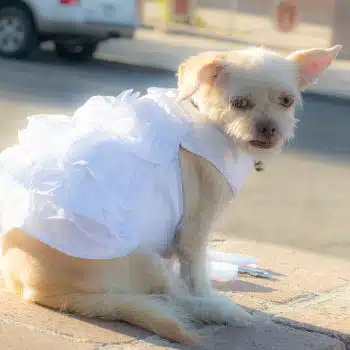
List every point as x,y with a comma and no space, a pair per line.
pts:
266,129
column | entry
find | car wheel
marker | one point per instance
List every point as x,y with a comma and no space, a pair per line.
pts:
18,37
77,52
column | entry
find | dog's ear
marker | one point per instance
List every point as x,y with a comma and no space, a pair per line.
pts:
198,71
312,63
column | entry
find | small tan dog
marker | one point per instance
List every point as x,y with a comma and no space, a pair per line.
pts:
250,95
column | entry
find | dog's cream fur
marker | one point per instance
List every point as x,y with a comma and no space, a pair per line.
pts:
141,288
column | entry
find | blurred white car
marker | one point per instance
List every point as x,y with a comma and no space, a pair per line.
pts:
75,26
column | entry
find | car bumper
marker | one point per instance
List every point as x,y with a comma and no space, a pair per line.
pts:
90,29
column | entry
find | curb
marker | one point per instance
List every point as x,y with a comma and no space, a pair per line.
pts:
164,51
322,88
342,337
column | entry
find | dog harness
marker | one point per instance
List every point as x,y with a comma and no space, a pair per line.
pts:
101,183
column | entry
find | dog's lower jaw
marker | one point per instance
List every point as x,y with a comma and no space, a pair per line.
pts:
262,154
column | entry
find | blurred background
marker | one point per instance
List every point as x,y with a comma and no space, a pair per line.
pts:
246,21
302,199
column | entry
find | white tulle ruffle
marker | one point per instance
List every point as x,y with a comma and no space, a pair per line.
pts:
57,182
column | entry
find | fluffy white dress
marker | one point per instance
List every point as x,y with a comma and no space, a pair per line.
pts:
101,183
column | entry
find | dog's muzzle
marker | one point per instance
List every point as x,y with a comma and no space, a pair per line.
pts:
266,134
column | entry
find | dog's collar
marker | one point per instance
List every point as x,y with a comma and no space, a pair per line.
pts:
194,104
259,166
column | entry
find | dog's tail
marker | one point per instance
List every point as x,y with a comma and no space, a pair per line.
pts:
156,313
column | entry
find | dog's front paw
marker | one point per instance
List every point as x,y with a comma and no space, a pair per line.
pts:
224,311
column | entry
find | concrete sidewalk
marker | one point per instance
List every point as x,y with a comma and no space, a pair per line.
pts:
232,24
158,49
305,307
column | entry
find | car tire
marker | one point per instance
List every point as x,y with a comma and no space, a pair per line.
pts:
76,52
18,36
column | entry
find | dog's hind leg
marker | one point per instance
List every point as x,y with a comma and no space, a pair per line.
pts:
136,288
156,313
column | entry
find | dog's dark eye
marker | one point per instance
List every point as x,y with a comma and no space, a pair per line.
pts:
286,101
242,103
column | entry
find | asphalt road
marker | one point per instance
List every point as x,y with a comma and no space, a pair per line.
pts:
302,200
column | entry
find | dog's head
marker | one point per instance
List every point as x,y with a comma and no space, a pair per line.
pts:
252,94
